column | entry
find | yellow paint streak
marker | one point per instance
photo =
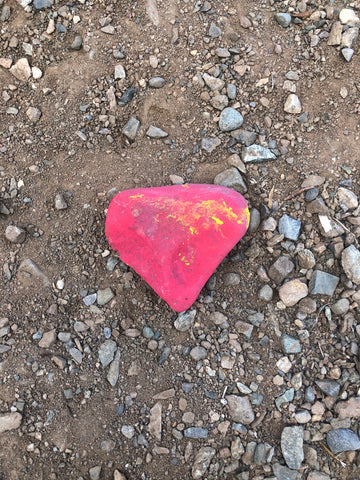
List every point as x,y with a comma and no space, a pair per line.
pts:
217,220
139,195
183,259
245,217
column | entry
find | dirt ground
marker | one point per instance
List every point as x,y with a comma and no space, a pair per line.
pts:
77,148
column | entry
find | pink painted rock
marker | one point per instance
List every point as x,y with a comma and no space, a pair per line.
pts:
175,236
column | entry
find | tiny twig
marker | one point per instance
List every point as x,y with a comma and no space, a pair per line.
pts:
343,464
298,192
302,14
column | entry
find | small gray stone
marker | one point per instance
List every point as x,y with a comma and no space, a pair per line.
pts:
210,143
306,259
48,339
215,84
256,319
214,31
5,13
147,332
196,432
77,43
244,137
350,261
284,473
104,296
185,320
292,104
349,37
202,461
15,234
257,154
113,373
119,72
290,344
156,82
347,53
128,431
40,4
311,194
230,119
33,114
342,440
347,198
231,91
231,178
341,306
329,228
283,19
335,34
244,328
281,269
309,394
60,203
108,29
131,128
266,293
240,409
76,355
90,299
156,132
262,453
21,70
302,416
289,227
292,292
255,219
9,421
219,101
329,387
286,397
347,16
107,446
231,279
198,353
106,352
323,283
316,475
111,264
292,446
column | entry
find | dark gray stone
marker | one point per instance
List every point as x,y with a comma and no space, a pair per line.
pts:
281,269
244,137
255,219
196,432
127,96
156,82
214,30
311,194
256,154
290,344
289,227
185,320
329,387
231,178
131,128
77,43
230,119
292,446
284,473
342,440
323,283
256,319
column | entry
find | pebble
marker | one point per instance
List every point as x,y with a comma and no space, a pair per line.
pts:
230,119
245,137
21,70
219,102
33,114
283,19
214,30
155,426
185,320
240,409
202,461
335,34
350,261
90,299
347,53
342,440
108,29
292,292
231,279
255,220
323,283
114,369
292,446
349,37
76,355
292,104
60,203
128,431
231,178
40,4
119,72
302,416
348,409
257,154
231,91
104,296
289,227
196,432
210,143
156,132
156,82
198,353
106,352
329,387
131,128
341,306
281,269
284,473
9,421
48,339
347,198
316,475
330,228
347,16
95,472
290,344
286,397
266,293
311,194
215,84
306,259
76,43
15,234
127,96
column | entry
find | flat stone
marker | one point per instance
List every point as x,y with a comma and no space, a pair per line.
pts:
230,119
313,181
119,72
341,306
104,296
292,292
28,269
284,364
185,320
240,409
245,137
316,475
210,143
347,16
196,432
302,416
219,101
289,227
347,198
342,440
256,154
244,328
114,369
335,34
48,339
256,319
40,4
292,446
90,299
329,387
290,344
5,62
286,397
108,29
60,203
231,91
214,30
202,461
106,352
76,355
9,421
266,293
348,409
323,283
155,424
21,70
281,269
292,104
131,128
350,261
283,19
317,206
347,53
215,84
231,178
284,473
197,353
156,82
255,219
128,431
348,39
306,259
15,234
33,114
311,194
156,132
76,43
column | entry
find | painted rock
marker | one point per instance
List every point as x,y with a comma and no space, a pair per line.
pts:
174,237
